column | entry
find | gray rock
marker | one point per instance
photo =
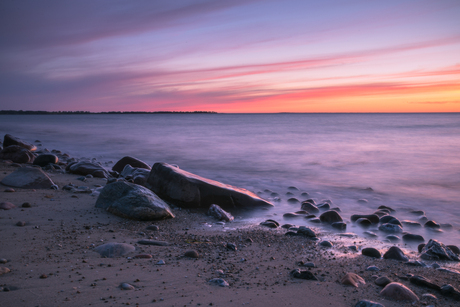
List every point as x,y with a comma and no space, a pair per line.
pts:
112,250
352,279
416,263
395,253
220,282
219,213
373,218
324,206
399,292
9,140
133,162
454,249
371,252
432,224
409,237
87,168
339,225
393,238
45,159
363,222
297,273
132,201
390,219
326,244
435,250
126,286
390,228
6,205
424,282
309,207
191,191
306,231
382,281
17,154
366,303
450,291
28,178
330,217
153,242
372,268
138,175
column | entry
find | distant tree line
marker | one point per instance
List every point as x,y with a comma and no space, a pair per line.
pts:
21,112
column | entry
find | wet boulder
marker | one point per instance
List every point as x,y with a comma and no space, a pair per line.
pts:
309,207
371,252
87,168
45,159
17,154
28,178
330,217
390,228
432,224
9,140
395,253
192,191
363,222
435,250
373,218
390,219
128,160
410,237
399,292
219,213
132,201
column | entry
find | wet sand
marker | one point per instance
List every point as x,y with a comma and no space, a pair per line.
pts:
52,261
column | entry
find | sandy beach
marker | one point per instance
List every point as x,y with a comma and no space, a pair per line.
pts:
52,261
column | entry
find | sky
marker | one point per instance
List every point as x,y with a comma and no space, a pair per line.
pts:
230,56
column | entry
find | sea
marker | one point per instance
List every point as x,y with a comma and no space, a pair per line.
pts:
357,161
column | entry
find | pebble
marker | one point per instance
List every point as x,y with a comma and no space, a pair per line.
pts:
326,244
220,282
231,246
297,273
413,237
339,225
371,252
393,238
382,281
152,242
397,291
390,228
395,253
21,223
293,200
9,190
3,260
126,286
370,234
372,268
192,254
160,262
143,256
153,227
26,205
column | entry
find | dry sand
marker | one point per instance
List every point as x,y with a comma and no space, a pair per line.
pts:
53,262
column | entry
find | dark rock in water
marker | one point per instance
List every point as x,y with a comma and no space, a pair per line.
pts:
330,217
416,263
390,228
399,292
302,212
324,206
363,201
424,282
454,249
309,207
352,279
339,225
306,231
420,247
435,250
370,234
6,206
336,209
291,215
135,163
292,234
381,213
111,250
423,219
17,154
390,219
192,254
311,201
87,168
315,220
446,225
409,237
395,253
418,212
393,238
45,159
304,194
287,226
371,252
450,291
138,175
366,303
326,244
28,178
9,140
310,216
132,201
363,222
219,213
293,200
152,242
270,224
386,208
411,223
374,219
432,224
293,189
297,273
191,191
382,281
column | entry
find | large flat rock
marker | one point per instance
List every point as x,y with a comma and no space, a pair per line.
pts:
28,178
192,191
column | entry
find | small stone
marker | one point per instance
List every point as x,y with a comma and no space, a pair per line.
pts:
371,234
310,207
393,238
450,291
352,279
152,242
382,281
160,262
397,291
270,224
429,297
363,222
372,268
306,231
371,252
21,223
143,256
192,254
9,190
373,218
330,217
409,237
43,276
339,225
111,250
3,260
424,282
326,244
4,270
297,273
126,286
432,224
6,205
231,246
153,227
26,205
366,303
220,282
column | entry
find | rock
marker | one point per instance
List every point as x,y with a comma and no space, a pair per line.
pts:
362,201
231,246
220,282
306,231
112,250
416,263
372,268
395,253
297,273
132,201
17,154
371,252
326,244
191,191
381,213
450,291
390,219
339,225
382,281
28,178
133,162
21,223
397,291
4,270
411,223
309,207
219,213
424,282
409,237
10,140
138,175
386,208
429,296
420,247
370,234
26,205
330,217
6,206
126,286
270,224
290,215
143,256
454,249
153,227
315,220
192,254
435,250
390,228
432,224
87,168
352,279
293,200
373,218
363,222
3,260
324,206
366,303
45,159
152,242
417,212
393,238
9,190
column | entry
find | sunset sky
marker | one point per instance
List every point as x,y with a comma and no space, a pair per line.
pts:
230,56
